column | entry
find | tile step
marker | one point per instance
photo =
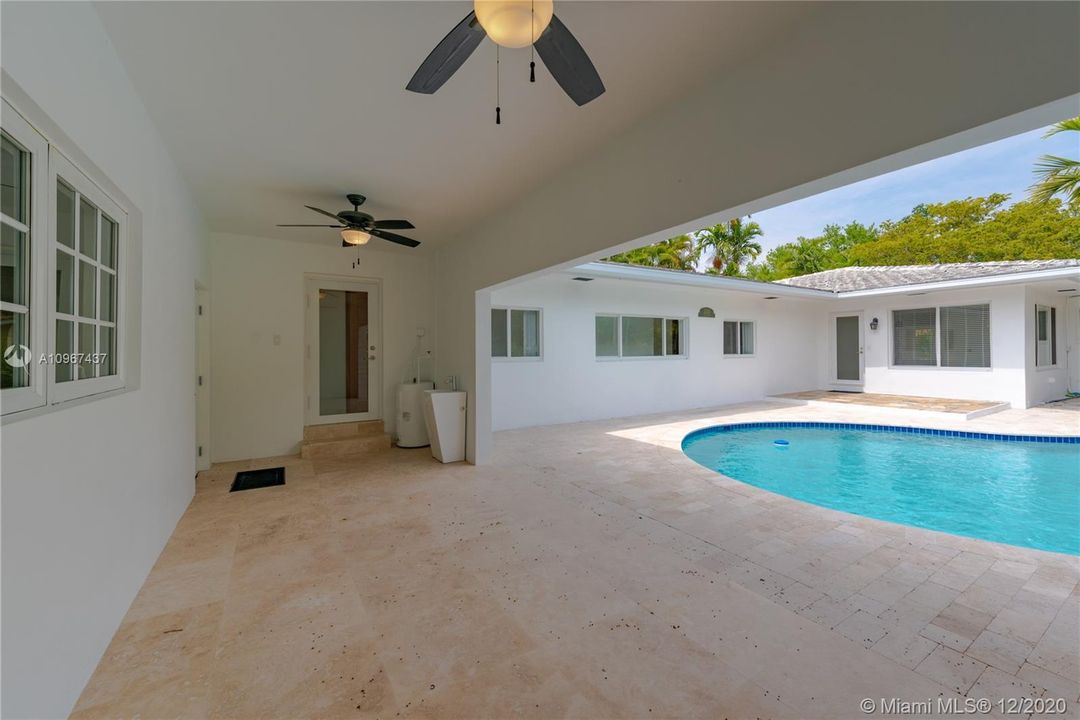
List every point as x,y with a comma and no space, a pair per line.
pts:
338,431
341,447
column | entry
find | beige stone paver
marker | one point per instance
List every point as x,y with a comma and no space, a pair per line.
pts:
591,570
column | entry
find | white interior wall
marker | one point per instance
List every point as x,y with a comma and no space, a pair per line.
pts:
258,408
1045,383
866,105
1004,381
92,492
570,384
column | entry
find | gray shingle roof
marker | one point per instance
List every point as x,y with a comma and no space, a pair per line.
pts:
871,278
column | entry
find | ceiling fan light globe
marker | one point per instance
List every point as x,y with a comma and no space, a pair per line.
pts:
354,236
514,23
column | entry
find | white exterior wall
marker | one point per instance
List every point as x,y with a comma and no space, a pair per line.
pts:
258,408
1005,380
570,384
92,492
1045,383
705,159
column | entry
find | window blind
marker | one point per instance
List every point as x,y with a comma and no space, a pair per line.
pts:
915,337
965,336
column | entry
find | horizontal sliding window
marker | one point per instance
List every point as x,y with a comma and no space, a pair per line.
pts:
635,336
515,333
738,337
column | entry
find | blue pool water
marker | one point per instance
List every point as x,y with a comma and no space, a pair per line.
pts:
994,487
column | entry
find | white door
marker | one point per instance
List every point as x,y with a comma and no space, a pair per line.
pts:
342,351
848,349
1072,310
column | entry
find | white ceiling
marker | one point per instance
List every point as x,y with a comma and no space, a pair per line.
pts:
268,106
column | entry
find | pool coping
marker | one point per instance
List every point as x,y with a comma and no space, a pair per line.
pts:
875,427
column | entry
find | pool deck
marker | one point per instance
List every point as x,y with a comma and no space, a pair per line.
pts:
948,406
591,570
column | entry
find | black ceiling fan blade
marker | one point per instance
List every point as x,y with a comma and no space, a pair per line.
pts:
323,226
324,212
394,225
450,54
568,63
394,238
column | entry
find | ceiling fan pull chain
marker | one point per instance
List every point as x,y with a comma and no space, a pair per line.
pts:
532,46
498,102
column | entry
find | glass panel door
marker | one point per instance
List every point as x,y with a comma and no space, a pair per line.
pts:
343,352
848,349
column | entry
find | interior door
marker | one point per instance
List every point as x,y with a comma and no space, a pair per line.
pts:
342,351
848,352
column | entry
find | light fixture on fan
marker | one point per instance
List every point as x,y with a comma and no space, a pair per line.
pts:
355,237
514,23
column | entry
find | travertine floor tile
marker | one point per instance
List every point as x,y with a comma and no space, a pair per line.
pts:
590,571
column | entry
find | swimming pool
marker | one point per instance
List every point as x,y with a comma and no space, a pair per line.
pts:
1013,489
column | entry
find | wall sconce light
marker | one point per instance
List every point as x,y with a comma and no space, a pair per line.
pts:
873,324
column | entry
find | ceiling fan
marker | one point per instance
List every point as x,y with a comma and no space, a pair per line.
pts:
359,227
513,24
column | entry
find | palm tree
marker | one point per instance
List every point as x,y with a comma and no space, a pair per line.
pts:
677,253
1058,175
730,244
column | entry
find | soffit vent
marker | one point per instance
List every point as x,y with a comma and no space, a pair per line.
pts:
583,279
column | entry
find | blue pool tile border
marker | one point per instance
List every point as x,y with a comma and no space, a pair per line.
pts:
718,429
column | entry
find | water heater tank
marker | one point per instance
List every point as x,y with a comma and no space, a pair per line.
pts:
411,430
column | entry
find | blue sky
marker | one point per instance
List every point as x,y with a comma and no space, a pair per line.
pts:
1002,166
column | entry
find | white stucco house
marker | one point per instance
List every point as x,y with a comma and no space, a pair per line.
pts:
606,340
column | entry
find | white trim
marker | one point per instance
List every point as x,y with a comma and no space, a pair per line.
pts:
1051,337
539,335
724,282
313,282
936,307
680,277
34,395
129,268
738,338
833,375
84,186
684,337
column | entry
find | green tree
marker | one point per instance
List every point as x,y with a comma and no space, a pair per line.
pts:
1058,175
677,253
976,230
730,245
805,255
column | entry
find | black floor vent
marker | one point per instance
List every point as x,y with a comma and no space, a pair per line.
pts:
251,479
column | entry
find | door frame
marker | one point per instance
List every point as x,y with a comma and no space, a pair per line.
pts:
313,282
833,379
202,378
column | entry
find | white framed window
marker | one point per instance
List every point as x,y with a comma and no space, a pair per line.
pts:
915,337
23,263
62,274
516,333
739,338
965,336
87,252
640,336
950,336
1045,336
